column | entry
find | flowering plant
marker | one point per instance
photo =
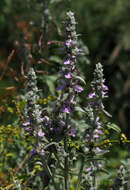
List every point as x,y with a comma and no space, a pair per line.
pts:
63,150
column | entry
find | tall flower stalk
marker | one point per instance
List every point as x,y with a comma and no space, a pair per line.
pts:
59,124
33,119
93,135
68,73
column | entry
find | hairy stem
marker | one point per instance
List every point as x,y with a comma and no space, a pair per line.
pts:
95,180
80,172
51,176
66,164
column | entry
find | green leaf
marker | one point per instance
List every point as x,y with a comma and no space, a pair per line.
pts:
114,127
79,109
103,170
81,79
50,144
106,113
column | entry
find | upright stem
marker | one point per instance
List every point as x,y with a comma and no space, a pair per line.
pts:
95,180
50,174
80,172
66,167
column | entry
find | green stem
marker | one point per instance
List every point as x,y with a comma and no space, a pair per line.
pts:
50,174
66,164
66,167
95,179
80,172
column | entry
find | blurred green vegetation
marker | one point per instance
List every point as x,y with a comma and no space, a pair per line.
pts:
32,32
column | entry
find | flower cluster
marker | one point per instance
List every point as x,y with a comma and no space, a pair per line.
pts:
120,181
33,119
57,125
99,89
68,72
95,104
93,135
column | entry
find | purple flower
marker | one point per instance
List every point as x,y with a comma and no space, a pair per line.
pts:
100,165
99,124
102,106
42,152
63,82
72,99
95,136
105,87
73,132
39,114
40,133
98,150
32,152
42,119
98,131
68,43
97,119
91,95
46,119
60,147
60,87
79,51
86,139
66,109
78,88
47,122
28,129
73,57
104,92
88,169
26,123
67,62
68,76
91,104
